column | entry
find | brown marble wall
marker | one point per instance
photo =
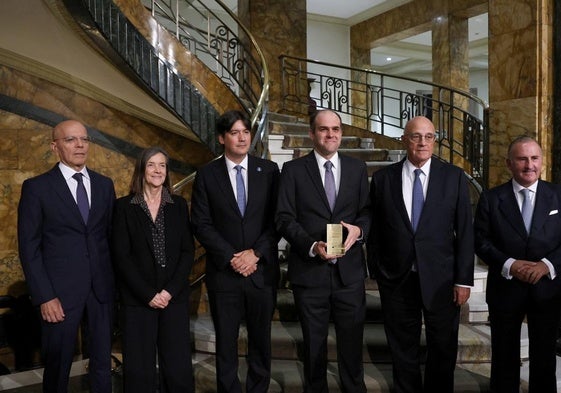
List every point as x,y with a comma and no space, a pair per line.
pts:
520,62
279,27
25,152
520,78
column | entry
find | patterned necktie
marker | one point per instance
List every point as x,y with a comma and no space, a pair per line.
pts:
330,189
418,200
526,209
240,189
82,197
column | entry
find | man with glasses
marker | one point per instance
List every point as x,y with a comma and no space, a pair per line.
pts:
64,218
420,250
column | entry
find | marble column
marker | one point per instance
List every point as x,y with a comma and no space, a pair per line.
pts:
520,79
279,27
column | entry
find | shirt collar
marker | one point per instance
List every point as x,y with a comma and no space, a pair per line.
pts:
166,198
517,187
68,172
322,160
410,168
231,164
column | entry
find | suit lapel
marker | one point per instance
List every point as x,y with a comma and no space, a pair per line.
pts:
542,206
396,186
254,183
220,171
315,177
61,188
510,210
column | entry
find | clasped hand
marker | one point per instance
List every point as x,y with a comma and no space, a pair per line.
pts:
353,233
160,300
244,262
528,271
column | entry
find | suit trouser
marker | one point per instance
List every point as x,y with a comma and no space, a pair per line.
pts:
162,334
403,311
228,308
59,345
346,305
543,319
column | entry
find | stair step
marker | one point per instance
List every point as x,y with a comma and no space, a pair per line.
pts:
292,141
474,343
287,377
283,128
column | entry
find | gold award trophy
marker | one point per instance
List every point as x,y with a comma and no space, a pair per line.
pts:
335,239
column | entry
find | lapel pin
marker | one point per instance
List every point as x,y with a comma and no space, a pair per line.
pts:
258,169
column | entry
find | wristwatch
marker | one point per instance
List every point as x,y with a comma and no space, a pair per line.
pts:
257,254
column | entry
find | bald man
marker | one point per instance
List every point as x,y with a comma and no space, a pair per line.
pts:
64,218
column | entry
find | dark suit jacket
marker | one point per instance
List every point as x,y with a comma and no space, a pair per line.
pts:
500,234
61,256
222,230
443,244
138,276
303,213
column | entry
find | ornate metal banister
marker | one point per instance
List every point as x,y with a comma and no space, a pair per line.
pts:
212,32
383,103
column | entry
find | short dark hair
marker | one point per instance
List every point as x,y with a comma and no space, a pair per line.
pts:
137,182
225,122
315,115
520,139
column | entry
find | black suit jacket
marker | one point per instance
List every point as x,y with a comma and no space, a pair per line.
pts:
500,234
61,255
442,246
138,276
303,213
221,229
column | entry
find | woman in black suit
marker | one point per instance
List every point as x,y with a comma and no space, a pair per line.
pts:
153,253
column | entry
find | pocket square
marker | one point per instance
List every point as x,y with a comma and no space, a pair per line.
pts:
553,212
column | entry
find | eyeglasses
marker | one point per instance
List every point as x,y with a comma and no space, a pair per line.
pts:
418,137
72,140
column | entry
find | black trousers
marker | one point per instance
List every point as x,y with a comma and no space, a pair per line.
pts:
346,306
228,309
162,336
403,311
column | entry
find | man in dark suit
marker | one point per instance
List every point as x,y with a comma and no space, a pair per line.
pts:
232,211
518,234
325,187
64,218
420,250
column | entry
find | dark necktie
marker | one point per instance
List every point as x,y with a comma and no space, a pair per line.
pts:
240,189
82,197
418,200
526,209
330,189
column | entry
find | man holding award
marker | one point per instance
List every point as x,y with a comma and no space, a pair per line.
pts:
323,212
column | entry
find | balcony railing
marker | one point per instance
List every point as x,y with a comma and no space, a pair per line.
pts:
213,33
383,103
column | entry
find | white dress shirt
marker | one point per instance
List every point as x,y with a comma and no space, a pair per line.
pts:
72,183
232,172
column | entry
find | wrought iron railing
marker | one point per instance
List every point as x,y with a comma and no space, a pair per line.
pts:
384,103
213,33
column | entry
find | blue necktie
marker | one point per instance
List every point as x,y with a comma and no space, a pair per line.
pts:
526,209
240,189
330,189
82,197
418,200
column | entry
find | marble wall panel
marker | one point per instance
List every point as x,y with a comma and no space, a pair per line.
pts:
27,143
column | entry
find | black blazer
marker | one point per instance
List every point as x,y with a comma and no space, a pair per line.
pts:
303,213
139,277
500,234
222,230
443,244
61,255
